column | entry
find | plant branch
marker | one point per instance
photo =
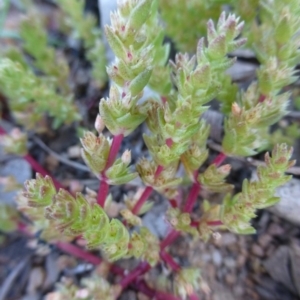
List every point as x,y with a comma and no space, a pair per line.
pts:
141,269
79,253
169,239
168,259
114,149
146,194
103,191
39,169
104,187
219,159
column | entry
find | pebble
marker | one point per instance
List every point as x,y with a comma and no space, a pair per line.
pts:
228,239
206,257
230,278
36,279
230,262
275,229
238,290
257,250
241,260
217,258
264,240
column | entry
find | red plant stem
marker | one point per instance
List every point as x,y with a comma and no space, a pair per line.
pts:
195,223
114,149
194,297
39,169
35,165
170,238
78,252
2,131
158,170
214,223
192,197
141,269
103,191
219,159
146,194
168,259
144,288
113,152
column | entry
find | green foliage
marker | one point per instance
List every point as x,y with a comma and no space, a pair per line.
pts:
187,281
145,245
15,142
84,27
186,22
237,211
213,178
9,217
35,43
73,216
181,221
29,93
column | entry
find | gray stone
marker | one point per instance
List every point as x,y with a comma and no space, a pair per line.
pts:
18,168
217,258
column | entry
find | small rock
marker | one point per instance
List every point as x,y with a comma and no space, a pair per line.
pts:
238,290
229,262
257,250
51,162
230,279
206,257
141,296
289,205
264,240
228,239
275,230
36,279
74,151
217,258
241,260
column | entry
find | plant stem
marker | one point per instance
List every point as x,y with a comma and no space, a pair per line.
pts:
194,297
104,187
171,237
219,159
167,258
141,269
103,191
114,149
39,169
147,192
192,197
145,195
214,223
78,252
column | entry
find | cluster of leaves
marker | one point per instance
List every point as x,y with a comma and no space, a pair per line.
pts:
186,22
32,95
84,27
73,216
236,212
36,85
